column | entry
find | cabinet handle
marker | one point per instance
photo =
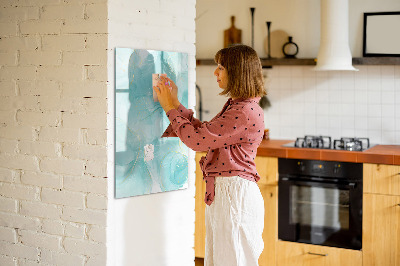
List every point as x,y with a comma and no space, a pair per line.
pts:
318,254
398,204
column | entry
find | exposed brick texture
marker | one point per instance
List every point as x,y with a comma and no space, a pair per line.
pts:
53,56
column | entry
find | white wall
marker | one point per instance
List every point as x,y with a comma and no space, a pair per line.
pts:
156,229
53,110
299,18
338,104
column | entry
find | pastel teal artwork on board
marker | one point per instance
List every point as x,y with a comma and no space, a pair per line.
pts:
145,163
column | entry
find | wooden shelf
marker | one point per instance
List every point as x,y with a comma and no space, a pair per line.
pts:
376,61
312,61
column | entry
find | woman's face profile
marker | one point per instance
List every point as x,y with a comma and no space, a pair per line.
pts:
222,76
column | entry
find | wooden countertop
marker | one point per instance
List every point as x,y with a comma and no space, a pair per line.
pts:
379,154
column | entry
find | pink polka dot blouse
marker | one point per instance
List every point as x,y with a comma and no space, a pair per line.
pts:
231,139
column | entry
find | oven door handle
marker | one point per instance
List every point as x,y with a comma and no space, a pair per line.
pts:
329,184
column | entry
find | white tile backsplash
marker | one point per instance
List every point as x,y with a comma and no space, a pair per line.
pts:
388,97
364,103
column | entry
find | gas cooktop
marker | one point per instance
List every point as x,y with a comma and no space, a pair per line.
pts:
325,142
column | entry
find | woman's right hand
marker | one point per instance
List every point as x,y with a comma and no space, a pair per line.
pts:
174,90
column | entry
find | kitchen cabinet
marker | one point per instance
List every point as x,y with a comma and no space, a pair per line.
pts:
291,253
200,207
381,179
270,233
267,167
381,230
381,221
381,215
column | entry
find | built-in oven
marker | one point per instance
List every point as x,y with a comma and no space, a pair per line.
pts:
320,202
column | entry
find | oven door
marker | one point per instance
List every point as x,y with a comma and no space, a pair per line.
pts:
321,212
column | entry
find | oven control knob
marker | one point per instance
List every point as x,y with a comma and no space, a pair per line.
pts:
302,167
336,169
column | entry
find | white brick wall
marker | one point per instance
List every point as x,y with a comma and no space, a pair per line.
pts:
56,138
53,108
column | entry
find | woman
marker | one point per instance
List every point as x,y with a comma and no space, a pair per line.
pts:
235,207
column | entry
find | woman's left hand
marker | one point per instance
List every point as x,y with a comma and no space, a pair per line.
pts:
164,95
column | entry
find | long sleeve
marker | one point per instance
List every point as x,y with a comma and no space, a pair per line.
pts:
186,113
225,130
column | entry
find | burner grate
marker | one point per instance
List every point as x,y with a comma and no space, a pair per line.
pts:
351,144
324,142
320,142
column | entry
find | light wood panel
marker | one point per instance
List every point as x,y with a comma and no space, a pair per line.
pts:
270,233
297,254
381,230
200,207
381,179
267,168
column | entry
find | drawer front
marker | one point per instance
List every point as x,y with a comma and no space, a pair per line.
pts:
294,254
381,179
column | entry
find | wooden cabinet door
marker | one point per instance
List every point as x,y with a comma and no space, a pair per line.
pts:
381,230
270,233
381,179
200,207
297,254
267,168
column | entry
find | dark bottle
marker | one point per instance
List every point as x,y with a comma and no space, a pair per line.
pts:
290,49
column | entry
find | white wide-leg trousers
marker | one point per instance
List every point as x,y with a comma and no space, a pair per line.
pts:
234,223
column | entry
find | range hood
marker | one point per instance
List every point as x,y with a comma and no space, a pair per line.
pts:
334,51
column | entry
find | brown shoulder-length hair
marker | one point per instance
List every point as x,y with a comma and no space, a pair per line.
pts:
245,78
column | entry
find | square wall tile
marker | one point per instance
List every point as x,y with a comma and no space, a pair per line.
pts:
374,123
374,97
361,97
348,123
310,95
388,137
388,124
297,83
375,136
374,110
335,95
310,109
388,110
322,95
361,110
322,121
348,96
388,97
348,132
347,109
374,83
296,71
387,72
322,109
361,123
388,84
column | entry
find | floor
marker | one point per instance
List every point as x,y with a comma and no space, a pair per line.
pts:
199,262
